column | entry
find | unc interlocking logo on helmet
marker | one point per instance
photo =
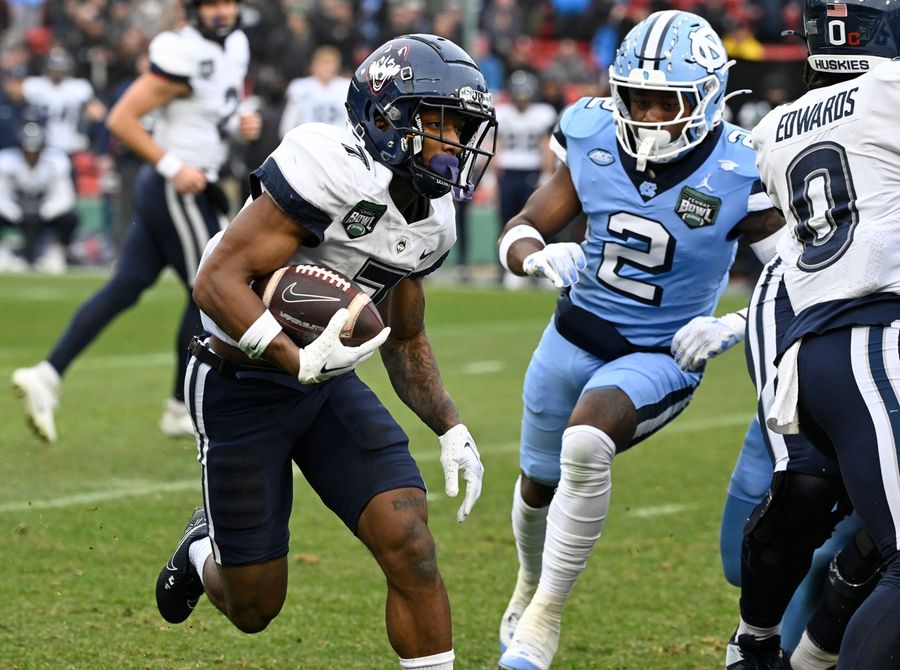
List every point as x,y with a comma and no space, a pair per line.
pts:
382,70
707,49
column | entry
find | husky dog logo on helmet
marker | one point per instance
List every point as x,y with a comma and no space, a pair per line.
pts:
383,70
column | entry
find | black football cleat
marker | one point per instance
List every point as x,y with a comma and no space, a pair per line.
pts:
178,587
745,652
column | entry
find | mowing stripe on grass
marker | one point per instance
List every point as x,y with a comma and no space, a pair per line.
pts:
126,488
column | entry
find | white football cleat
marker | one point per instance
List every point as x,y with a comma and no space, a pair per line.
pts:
176,420
521,596
536,639
38,387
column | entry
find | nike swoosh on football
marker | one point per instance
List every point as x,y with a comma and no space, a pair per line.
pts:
289,295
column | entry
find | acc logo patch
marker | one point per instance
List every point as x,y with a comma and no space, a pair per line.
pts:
697,209
362,218
601,157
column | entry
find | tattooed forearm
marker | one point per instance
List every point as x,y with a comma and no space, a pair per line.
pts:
414,374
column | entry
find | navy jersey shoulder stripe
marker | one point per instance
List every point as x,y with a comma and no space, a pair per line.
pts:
289,201
155,69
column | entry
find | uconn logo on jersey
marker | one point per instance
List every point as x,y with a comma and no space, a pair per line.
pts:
799,121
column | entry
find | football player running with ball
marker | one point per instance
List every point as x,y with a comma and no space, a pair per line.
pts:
194,85
667,187
373,201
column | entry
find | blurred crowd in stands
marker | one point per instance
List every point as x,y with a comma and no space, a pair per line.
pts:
94,48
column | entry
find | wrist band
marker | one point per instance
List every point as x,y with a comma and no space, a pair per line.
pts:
514,234
169,165
766,247
260,333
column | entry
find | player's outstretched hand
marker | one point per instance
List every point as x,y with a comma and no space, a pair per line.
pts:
326,357
458,452
559,262
706,336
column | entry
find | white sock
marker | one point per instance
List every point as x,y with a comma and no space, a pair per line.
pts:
442,661
745,628
198,552
579,507
529,526
808,656
49,372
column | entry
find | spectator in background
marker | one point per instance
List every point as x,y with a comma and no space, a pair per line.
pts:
404,17
14,108
293,43
269,100
66,102
37,196
775,91
504,21
333,22
318,98
523,153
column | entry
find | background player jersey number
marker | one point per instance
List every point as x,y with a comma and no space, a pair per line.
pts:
823,200
654,258
380,277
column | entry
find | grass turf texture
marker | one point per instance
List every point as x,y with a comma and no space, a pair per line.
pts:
86,524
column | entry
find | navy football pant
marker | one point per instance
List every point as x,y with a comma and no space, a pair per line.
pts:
849,408
169,230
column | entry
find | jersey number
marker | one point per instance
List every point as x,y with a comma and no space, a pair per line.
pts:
380,277
823,200
655,257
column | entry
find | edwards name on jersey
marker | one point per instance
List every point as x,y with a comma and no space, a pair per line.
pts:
831,162
659,243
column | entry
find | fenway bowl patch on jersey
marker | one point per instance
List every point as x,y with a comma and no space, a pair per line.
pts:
697,209
362,218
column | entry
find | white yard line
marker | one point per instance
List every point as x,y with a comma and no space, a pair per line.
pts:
117,489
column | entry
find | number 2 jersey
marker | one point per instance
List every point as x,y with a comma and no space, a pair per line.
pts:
659,245
831,162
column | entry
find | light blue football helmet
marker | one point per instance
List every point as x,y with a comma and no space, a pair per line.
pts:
677,52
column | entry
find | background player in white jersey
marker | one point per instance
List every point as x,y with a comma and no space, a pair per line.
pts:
524,125
195,83
319,97
829,161
374,203
37,196
667,188
68,103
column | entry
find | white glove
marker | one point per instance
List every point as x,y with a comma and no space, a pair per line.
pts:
706,336
326,357
559,262
458,452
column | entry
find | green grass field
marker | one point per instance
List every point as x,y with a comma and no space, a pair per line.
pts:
85,524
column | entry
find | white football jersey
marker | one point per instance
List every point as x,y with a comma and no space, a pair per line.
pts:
831,162
311,101
45,188
62,105
520,134
324,178
195,127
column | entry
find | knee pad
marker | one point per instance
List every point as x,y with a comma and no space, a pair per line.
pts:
586,456
798,515
857,567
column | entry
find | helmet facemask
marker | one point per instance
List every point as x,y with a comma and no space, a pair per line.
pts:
658,141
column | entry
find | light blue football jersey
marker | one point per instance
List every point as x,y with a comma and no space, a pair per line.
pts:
659,245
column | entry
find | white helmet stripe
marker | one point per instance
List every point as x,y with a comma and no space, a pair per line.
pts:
651,49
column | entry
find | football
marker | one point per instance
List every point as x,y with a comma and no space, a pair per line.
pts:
304,297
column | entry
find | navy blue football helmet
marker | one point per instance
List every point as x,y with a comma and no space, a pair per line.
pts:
398,82
214,33
852,36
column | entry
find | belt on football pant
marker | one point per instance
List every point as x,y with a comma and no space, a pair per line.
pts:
226,368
